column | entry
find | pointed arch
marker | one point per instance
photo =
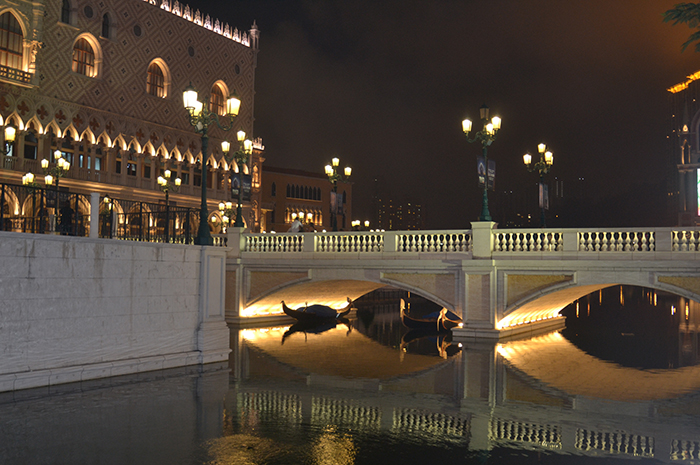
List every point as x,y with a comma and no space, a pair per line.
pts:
52,126
148,149
119,142
87,135
15,120
134,144
35,124
104,140
71,132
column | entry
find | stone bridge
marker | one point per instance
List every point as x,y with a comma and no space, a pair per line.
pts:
503,282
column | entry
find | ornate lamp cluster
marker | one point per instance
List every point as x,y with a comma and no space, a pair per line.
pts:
57,171
486,136
334,176
201,118
166,185
226,209
542,167
241,156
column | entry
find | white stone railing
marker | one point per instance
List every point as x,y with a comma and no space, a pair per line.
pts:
434,241
262,243
483,242
527,241
617,241
685,240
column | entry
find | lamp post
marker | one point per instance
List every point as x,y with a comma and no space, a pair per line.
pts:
334,176
166,185
28,181
542,166
245,149
486,136
10,135
109,204
201,118
55,172
226,209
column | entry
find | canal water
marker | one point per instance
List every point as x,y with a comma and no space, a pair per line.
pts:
620,384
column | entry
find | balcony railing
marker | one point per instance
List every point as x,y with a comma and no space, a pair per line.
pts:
15,74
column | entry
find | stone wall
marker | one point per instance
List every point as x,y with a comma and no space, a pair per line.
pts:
75,308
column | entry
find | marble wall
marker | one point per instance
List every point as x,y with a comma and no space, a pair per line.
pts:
75,308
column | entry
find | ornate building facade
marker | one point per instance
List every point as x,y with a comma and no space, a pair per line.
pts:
101,82
290,194
684,138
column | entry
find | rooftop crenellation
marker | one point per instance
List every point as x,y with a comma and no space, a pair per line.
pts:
185,12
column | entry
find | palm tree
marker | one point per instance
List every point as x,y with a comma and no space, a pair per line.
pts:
686,13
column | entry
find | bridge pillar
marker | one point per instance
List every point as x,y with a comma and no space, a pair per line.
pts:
235,295
478,394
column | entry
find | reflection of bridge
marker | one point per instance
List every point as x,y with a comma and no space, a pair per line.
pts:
503,282
487,396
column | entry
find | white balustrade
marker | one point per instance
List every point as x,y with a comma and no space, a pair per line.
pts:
617,241
527,240
569,242
434,241
349,242
274,242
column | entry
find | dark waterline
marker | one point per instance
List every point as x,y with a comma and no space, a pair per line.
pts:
369,392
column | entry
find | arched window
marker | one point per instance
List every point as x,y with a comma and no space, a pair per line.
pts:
274,190
216,100
83,58
10,41
30,143
105,26
155,82
289,191
65,12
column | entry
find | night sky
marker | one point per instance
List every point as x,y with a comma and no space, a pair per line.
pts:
384,86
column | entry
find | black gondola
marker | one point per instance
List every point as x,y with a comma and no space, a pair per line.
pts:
317,312
444,320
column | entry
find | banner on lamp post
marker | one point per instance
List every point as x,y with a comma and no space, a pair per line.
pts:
544,196
236,183
484,174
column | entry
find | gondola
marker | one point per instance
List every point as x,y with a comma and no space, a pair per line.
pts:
317,312
444,320
315,326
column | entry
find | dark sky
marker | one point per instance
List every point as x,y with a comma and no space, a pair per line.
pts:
384,86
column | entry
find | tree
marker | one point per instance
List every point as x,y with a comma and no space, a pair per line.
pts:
686,13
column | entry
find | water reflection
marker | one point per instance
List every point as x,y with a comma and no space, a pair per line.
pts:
370,392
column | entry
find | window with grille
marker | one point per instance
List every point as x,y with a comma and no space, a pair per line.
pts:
155,83
216,102
83,58
10,41
65,12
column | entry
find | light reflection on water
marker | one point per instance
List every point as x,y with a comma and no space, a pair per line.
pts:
365,393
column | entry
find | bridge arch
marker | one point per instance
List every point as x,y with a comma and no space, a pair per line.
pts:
265,289
546,302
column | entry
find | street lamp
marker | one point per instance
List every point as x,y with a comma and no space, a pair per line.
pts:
486,136
52,173
542,166
109,204
226,209
201,118
166,185
10,135
334,176
28,181
245,149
